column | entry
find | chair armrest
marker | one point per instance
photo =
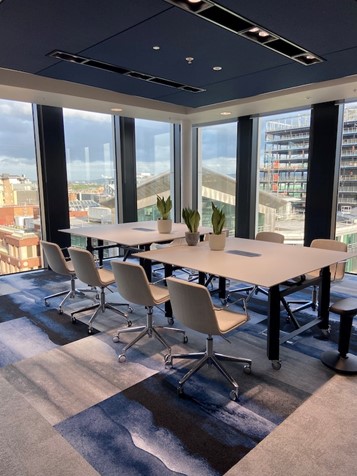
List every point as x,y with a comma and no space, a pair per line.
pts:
244,305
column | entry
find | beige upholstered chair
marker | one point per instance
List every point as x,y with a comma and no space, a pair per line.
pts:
134,286
192,306
272,237
337,271
88,272
58,263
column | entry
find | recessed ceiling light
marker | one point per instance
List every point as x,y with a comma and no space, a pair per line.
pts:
225,113
116,109
217,68
212,11
259,35
156,48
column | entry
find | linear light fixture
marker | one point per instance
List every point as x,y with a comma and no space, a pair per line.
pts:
72,58
241,26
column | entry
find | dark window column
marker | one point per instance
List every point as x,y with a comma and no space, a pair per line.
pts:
127,160
322,181
246,184
52,173
195,167
176,147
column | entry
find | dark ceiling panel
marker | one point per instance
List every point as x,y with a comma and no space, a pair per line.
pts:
123,32
134,49
28,31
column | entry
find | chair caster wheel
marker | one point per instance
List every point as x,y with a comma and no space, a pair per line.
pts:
247,369
130,309
122,358
276,364
170,321
168,361
74,320
90,330
46,304
60,312
185,339
116,339
179,391
233,395
130,323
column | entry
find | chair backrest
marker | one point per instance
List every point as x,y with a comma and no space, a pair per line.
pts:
132,283
192,306
85,267
271,236
55,258
337,270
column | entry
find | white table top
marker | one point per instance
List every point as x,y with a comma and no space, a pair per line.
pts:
251,261
132,234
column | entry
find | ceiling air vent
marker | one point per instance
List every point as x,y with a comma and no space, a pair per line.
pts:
135,74
225,19
106,66
64,56
67,57
166,82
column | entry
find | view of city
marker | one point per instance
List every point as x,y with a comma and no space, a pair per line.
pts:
91,175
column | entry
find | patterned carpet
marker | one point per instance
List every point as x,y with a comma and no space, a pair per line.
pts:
126,419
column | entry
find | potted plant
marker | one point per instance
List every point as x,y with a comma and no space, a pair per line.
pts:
164,223
192,220
217,239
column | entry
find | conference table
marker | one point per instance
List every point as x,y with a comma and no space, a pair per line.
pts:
265,264
131,237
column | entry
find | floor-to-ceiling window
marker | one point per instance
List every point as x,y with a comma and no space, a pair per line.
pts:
283,169
217,151
90,168
154,165
346,218
19,198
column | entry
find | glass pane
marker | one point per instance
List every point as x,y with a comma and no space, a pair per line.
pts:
90,169
346,219
153,165
217,163
19,199
284,153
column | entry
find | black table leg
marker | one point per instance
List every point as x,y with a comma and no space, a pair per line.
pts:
324,299
168,272
274,326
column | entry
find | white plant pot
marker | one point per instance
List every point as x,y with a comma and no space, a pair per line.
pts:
164,226
217,242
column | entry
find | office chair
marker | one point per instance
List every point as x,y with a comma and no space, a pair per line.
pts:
88,272
60,265
337,271
134,286
272,237
192,306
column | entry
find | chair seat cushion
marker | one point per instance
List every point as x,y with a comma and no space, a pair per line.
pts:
160,293
228,320
106,277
